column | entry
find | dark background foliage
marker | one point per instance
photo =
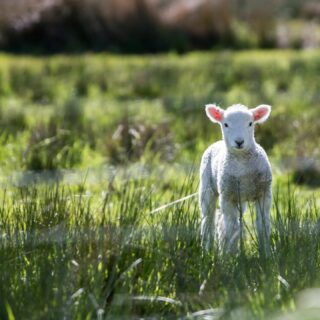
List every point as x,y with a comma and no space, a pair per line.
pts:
140,26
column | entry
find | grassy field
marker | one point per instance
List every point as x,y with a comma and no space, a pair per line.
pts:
92,145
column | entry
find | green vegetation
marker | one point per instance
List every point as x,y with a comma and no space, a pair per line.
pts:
91,145
81,101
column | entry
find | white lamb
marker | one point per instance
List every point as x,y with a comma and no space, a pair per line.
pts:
237,170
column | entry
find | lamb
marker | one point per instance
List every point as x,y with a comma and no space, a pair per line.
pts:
237,170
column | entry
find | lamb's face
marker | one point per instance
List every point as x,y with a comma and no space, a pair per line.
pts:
237,128
237,124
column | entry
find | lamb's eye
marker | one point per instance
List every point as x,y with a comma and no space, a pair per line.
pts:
250,124
226,125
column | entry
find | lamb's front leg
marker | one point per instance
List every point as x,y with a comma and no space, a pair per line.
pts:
207,199
263,206
229,225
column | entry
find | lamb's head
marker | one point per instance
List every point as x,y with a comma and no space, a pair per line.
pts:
237,124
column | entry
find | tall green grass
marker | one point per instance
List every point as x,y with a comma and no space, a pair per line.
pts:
66,253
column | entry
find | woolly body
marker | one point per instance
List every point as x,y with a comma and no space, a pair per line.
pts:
236,175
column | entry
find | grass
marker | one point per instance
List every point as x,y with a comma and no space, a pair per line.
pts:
69,253
102,92
91,146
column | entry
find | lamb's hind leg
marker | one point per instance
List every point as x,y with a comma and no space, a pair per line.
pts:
207,200
263,206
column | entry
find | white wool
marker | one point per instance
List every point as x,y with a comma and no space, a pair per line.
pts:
234,171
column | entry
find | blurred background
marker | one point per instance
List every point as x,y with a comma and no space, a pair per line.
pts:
132,77
140,26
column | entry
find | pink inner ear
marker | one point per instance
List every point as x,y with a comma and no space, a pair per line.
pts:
215,113
259,113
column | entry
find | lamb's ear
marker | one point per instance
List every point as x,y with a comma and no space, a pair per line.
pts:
261,113
214,113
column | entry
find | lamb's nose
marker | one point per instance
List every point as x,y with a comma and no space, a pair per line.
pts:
239,142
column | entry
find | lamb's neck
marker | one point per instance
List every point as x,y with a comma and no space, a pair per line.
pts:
242,155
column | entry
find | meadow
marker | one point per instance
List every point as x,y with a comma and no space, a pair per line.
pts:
93,147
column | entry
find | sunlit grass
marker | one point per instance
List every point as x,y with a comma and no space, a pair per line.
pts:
66,252
167,88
